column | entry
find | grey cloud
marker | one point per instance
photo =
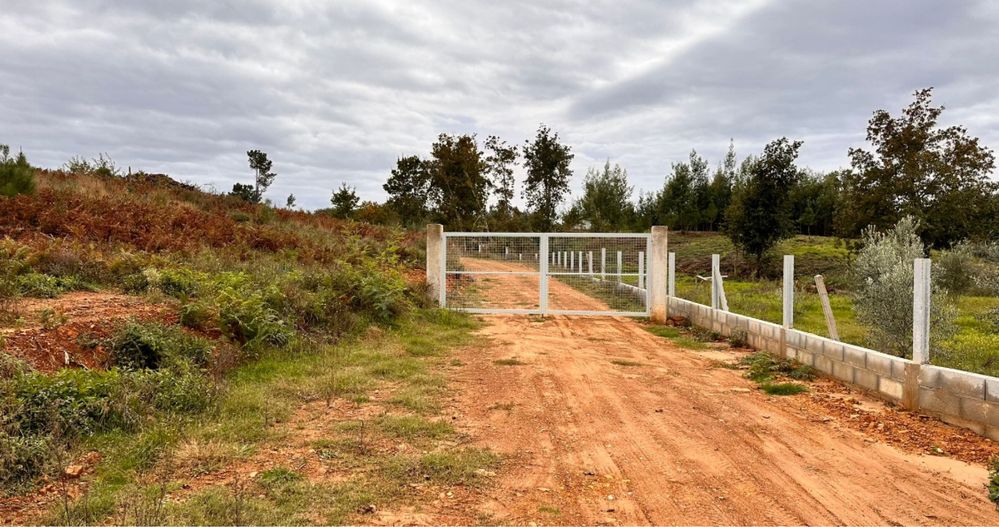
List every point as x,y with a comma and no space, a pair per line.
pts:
337,91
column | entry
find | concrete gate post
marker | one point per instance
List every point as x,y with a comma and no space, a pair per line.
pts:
435,236
657,275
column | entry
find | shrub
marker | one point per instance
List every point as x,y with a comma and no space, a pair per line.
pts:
37,285
23,458
153,346
956,269
246,318
198,315
993,484
884,274
764,367
16,175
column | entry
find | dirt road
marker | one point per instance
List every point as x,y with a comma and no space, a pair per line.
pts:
605,423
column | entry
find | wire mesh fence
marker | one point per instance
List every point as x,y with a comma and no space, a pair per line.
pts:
593,273
493,272
598,273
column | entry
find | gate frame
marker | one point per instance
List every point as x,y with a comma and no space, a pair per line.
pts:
655,244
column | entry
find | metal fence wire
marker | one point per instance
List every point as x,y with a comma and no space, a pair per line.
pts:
546,273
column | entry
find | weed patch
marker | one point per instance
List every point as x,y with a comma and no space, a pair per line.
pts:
509,362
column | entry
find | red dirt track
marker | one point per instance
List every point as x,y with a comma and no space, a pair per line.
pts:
666,436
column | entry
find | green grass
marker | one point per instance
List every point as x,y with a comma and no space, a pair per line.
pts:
260,397
783,388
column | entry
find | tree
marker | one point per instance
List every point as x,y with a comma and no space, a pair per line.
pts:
547,163
290,202
720,190
245,192
937,175
458,186
606,202
262,169
884,273
408,189
759,216
16,175
344,201
499,163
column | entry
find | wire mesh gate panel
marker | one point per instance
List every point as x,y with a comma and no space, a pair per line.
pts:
557,273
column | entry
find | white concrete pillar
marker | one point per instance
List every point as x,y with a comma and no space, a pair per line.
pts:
603,263
619,266
589,260
580,262
788,291
435,287
506,253
520,257
572,260
657,275
922,292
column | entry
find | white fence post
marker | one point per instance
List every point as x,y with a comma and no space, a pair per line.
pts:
671,274
641,269
715,264
716,278
435,267
788,291
589,261
603,263
619,266
921,295
572,260
580,262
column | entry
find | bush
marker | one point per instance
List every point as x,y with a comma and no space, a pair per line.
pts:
23,459
246,318
37,285
956,269
153,346
16,175
884,274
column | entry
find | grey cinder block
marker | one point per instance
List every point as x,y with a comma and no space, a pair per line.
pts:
855,356
865,379
890,388
843,371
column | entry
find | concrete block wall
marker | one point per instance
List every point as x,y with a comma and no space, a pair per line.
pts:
958,397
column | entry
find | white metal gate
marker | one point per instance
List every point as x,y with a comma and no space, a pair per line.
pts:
545,273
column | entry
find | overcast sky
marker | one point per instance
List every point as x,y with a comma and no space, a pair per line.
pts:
337,91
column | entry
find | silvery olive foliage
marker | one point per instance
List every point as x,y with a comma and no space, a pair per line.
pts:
884,271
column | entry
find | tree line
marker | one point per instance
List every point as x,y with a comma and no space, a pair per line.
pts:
940,176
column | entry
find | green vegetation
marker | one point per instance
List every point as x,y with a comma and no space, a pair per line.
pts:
16,175
993,485
768,372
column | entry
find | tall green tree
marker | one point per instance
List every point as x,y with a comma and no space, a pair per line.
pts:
937,175
261,166
760,216
16,175
409,190
547,162
344,201
458,183
499,161
606,202
720,190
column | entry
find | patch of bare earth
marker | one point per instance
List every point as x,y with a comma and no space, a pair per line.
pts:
77,323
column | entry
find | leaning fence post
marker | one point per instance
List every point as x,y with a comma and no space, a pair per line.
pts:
435,234
820,286
922,293
657,286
